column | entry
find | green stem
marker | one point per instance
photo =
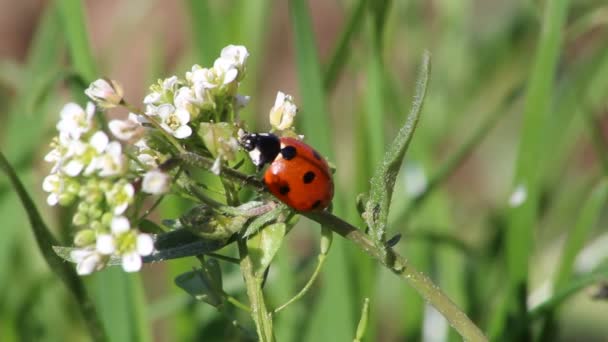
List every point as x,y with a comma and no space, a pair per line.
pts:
259,312
306,287
402,268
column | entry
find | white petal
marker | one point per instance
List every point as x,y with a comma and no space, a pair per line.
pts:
155,182
230,75
145,244
152,98
119,209
52,200
99,141
183,132
279,99
89,264
131,262
50,183
216,168
120,224
90,110
73,167
183,116
77,255
169,83
165,110
105,244
70,110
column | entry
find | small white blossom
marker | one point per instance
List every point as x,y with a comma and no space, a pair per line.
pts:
155,182
237,54
120,225
283,112
120,196
105,244
54,184
131,259
106,93
76,121
175,121
125,129
185,98
223,72
88,260
112,162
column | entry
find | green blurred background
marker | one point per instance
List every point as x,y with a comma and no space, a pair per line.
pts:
517,103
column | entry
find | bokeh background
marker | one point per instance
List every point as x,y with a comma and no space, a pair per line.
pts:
493,120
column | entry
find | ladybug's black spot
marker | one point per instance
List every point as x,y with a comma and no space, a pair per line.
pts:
288,152
316,154
284,189
308,177
316,204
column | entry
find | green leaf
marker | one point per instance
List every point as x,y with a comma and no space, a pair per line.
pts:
383,181
264,246
76,33
203,284
208,223
45,241
576,238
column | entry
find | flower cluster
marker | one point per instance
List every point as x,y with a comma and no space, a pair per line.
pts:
92,170
95,168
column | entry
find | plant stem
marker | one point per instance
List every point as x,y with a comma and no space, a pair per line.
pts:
401,267
259,312
306,287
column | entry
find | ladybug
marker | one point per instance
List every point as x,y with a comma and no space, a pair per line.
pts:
297,175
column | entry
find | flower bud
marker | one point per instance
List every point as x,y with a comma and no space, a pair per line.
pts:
105,92
155,182
84,237
283,112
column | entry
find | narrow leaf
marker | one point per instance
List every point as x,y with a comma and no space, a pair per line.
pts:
76,33
576,238
204,284
383,181
264,246
45,241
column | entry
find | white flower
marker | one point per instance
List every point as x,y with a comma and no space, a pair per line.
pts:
106,93
170,84
237,54
54,184
223,72
175,121
186,99
120,196
105,244
120,225
112,162
76,121
155,182
283,112
88,260
126,129
131,261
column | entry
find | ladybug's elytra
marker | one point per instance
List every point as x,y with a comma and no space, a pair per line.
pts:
297,175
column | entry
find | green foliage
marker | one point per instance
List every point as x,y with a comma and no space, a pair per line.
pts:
517,101
383,181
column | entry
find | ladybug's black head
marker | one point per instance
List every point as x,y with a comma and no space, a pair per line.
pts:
263,148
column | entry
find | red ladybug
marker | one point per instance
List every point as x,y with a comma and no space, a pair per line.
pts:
297,175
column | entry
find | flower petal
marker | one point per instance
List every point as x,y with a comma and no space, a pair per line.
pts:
131,262
145,244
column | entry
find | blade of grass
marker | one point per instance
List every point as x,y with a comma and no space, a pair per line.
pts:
340,55
335,306
72,18
46,241
587,219
522,218
206,35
